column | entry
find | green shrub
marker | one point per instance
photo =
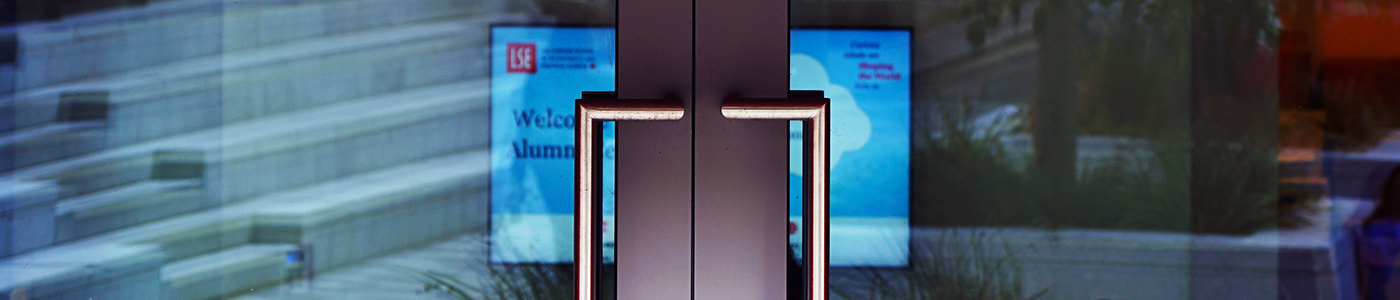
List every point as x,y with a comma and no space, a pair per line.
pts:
955,266
970,176
515,282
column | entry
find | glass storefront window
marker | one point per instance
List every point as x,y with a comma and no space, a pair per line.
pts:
983,149
1135,149
288,149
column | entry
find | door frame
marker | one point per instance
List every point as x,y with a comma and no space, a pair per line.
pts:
702,203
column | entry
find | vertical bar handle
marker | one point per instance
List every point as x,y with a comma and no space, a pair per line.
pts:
815,113
590,112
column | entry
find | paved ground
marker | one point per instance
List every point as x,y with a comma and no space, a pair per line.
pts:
388,277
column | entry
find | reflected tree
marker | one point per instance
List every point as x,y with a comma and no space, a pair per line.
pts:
1183,76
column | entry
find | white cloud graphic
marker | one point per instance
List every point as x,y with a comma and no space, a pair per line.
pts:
850,126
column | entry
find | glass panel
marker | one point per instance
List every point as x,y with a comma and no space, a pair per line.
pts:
865,74
292,149
1117,149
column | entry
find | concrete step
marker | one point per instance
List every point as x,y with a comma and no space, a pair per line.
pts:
124,206
343,139
76,35
343,221
461,257
26,212
229,272
49,142
233,87
210,169
365,216
79,126
127,272
124,40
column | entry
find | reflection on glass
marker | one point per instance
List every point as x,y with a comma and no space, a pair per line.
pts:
544,70
1142,149
865,73
271,149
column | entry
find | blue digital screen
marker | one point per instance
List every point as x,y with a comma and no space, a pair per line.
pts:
865,73
536,74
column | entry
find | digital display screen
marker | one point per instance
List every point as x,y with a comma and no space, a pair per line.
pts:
536,74
865,73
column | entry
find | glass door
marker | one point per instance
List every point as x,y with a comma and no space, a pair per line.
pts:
702,208
424,149
655,169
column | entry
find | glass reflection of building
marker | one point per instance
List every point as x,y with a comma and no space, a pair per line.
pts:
211,149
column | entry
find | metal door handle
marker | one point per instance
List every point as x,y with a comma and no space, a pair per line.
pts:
814,111
596,107
590,112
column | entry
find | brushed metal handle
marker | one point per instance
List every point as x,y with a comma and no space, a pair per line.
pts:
814,111
590,112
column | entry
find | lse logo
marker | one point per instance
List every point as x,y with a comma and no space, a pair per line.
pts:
520,58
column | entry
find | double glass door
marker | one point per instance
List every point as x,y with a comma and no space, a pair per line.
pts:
986,149
702,206
978,149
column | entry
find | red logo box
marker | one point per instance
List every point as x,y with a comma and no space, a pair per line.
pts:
520,58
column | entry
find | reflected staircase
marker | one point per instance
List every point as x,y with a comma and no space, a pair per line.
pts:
203,149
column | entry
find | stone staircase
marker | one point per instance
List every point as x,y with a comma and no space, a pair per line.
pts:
201,149
225,272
